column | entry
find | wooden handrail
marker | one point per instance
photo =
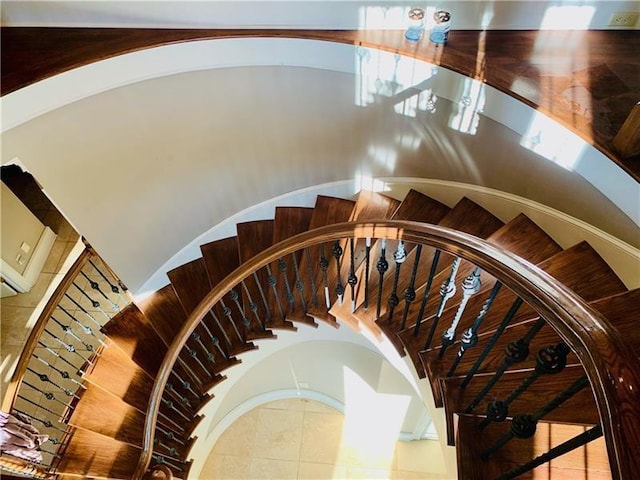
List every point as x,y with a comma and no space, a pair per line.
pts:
609,362
41,323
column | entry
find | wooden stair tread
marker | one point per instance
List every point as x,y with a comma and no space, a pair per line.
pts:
132,332
419,207
222,257
89,414
164,311
623,312
290,221
122,377
90,454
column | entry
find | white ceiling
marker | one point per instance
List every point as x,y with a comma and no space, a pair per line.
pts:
332,14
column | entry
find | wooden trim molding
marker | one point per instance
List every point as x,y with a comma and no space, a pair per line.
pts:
610,363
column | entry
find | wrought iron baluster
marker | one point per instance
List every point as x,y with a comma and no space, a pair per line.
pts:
84,328
311,278
67,346
96,286
188,369
549,361
557,451
324,266
79,371
470,286
114,288
172,452
213,338
399,257
516,352
194,355
45,378
184,401
524,425
282,268
171,406
427,290
68,330
94,303
224,332
45,423
253,307
161,461
91,317
271,280
494,338
169,435
367,264
170,420
410,291
267,310
195,336
57,414
64,374
447,290
298,283
235,298
337,251
382,266
353,279
470,336
186,385
47,395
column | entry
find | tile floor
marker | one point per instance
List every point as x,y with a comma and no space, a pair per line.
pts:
303,439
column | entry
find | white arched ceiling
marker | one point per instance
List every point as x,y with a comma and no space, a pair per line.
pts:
143,165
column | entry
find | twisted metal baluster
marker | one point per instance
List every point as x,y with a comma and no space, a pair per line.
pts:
79,371
94,303
219,323
186,385
427,290
298,283
282,267
516,352
184,401
267,310
470,286
494,338
253,307
235,298
227,313
524,425
353,279
447,290
337,252
470,336
84,328
91,317
410,291
67,346
399,257
271,280
189,370
367,261
311,278
382,266
47,395
324,266
196,337
67,330
46,423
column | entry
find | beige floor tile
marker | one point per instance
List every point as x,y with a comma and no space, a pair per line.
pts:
292,404
321,471
278,434
239,438
420,456
223,467
270,469
369,473
14,323
404,475
55,255
33,297
319,407
321,437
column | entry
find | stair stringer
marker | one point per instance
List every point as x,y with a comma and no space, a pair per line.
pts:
565,229
209,430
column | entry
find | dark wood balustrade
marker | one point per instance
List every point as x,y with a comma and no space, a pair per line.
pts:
609,362
592,96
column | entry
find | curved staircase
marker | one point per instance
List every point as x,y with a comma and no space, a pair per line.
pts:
410,292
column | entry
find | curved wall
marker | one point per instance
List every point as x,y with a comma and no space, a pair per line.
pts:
168,155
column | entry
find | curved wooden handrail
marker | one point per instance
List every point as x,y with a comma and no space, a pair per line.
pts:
609,362
41,323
